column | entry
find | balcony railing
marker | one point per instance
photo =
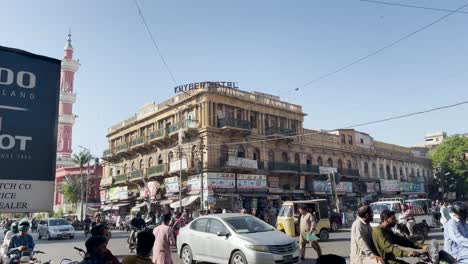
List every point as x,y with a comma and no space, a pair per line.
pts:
121,178
157,170
279,131
283,166
137,141
189,123
107,153
121,148
310,168
349,172
157,134
136,174
173,128
233,122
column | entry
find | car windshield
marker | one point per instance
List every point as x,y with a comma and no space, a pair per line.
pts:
286,211
378,208
58,222
244,225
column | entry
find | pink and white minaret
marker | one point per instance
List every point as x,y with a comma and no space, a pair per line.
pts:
67,99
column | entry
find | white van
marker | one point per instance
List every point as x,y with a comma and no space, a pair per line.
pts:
392,204
420,207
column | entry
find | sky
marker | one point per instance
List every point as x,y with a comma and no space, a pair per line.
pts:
269,46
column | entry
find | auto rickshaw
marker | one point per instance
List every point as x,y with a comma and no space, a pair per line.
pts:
288,217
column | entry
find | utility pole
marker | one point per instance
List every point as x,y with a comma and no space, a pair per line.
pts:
202,150
331,176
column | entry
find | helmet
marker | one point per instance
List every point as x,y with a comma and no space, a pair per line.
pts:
459,208
14,227
25,223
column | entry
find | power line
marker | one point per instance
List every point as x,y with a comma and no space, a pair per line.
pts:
350,126
342,68
413,6
158,50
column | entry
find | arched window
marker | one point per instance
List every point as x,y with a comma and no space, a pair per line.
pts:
395,174
417,172
241,152
366,168
132,168
401,172
170,157
284,157
374,171
297,158
381,171
309,161
389,172
319,161
330,162
412,172
125,169
160,159
142,165
224,154
256,154
340,164
111,172
271,156
348,164
150,162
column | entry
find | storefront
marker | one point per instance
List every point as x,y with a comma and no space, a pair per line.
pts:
116,199
389,188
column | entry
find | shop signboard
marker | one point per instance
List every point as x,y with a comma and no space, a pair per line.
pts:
321,186
194,183
273,181
344,187
327,170
389,186
418,187
406,186
106,181
242,163
302,182
29,97
172,184
118,193
104,195
175,166
220,180
251,181
370,187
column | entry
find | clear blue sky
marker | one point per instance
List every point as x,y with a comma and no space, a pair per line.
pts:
269,46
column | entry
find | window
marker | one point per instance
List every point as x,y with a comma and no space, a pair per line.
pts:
362,141
343,139
401,171
297,159
216,226
160,160
142,165
340,164
125,169
241,152
330,162
394,173
349,165
320,161
253,119
199,225
284,157
309,161
256,154
248,224
150,162
111,172
350,140
170,157
366,168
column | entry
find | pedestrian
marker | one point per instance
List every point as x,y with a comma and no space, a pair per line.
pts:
362,247
243,211
102,230
307,225
96,248
456,233
164,238
444,214
145,243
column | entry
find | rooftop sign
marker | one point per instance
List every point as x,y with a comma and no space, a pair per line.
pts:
204,85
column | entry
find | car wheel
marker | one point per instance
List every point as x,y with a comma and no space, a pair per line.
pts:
334,226
238,258
186,255
324,235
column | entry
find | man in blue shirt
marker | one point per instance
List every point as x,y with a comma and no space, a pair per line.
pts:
456,234
21,242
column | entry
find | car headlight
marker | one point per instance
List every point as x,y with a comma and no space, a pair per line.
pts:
258,248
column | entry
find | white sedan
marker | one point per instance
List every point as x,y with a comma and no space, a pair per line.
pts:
235,239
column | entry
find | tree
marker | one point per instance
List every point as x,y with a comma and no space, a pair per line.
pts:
451,166
80,159
71,189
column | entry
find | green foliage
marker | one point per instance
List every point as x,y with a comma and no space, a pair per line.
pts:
82,158
71,189
451,167
58,213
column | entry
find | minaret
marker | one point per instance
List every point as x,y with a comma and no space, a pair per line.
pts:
67,99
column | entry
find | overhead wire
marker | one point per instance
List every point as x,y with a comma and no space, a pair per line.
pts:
414,6
391,44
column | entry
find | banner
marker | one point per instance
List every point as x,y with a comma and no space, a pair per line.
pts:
242,163
406,186
321,186
327,170
389,186
273,181
104,196
220,180
174,166
29,95
370,187
251,181
194,183
344,187
117,193
172,184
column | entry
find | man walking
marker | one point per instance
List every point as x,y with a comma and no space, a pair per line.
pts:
307,225
162,245
444,213
362,247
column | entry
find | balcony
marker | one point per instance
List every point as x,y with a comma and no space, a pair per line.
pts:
283,167
136,175
121,148
348,172
107,153
279,131
309,168
122,178
157,170
233,122
139,141
158,134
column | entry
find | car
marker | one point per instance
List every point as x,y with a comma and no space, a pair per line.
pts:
55,228
235,238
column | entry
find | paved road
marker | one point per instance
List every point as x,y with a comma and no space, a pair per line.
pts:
58,249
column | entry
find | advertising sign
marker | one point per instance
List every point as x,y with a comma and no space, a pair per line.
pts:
194,183
418,187
406,186
344,187
273,181
321,187
251,181
370,187
389,186
172,184
327,170
220,180
117,193
174,166
29,94
104,196
242,163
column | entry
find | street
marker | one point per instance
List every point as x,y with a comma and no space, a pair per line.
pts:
56,250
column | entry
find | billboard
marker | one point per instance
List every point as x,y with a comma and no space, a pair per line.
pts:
251,181
117,193
29,95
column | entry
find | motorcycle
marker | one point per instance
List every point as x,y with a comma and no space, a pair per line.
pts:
436,256
420,232
86,230
131,241
26,257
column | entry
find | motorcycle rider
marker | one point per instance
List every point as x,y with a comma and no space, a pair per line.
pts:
102,230
137,223
456,233
6,241
87,224
406,217
21,242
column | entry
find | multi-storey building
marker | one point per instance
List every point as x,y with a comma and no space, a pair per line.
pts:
251,149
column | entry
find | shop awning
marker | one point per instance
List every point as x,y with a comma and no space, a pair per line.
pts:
114,206
185,202
107,207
